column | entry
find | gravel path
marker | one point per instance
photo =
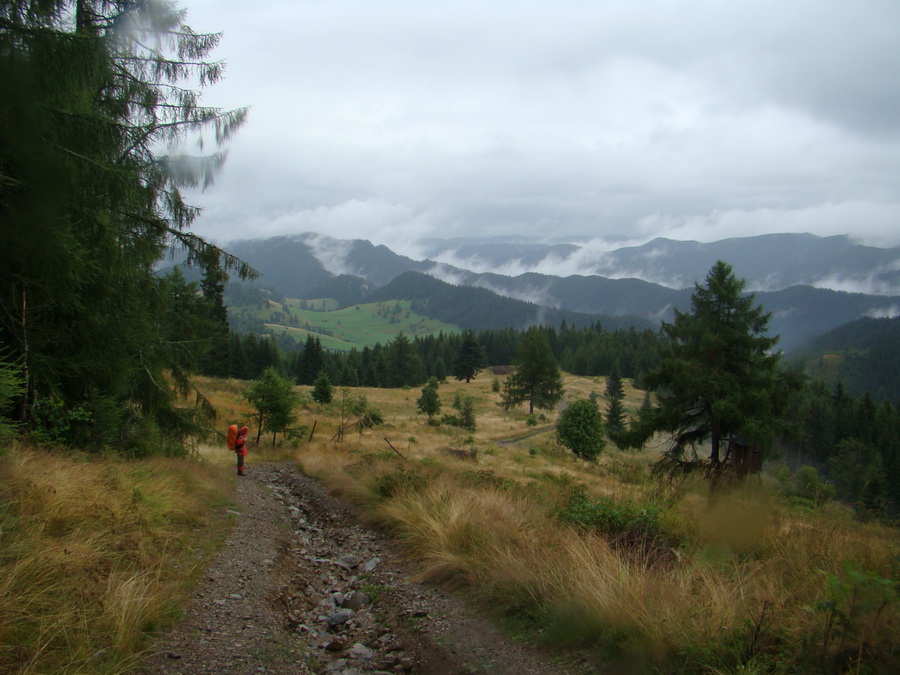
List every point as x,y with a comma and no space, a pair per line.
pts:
301,587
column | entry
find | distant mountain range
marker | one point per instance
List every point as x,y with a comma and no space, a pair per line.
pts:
768,262
804,280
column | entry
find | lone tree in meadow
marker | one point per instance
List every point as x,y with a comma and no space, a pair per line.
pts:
580,428
536,378
717,376
429,402
356,413
469,359
274,399
322,391
465,405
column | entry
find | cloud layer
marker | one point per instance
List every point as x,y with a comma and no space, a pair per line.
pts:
392,121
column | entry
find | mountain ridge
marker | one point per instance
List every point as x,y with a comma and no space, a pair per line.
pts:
314,265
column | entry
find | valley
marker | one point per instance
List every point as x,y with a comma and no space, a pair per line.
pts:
810,284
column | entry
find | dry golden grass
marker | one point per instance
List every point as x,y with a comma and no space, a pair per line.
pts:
750,583
95,552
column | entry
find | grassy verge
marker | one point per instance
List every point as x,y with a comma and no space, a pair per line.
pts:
97,552
600,558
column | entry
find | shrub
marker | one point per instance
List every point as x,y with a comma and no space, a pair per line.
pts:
486,477
391,484
322,391
804,487
627,520
580,428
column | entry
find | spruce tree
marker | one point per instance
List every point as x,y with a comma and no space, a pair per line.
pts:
322,391
212,285
312,360
469,358
717,376
536,379
274,399
615,410
403,366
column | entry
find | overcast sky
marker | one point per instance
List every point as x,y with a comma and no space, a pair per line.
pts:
392,120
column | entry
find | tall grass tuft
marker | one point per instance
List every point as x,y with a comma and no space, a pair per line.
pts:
97,553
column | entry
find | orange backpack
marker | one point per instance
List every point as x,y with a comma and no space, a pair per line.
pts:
232,437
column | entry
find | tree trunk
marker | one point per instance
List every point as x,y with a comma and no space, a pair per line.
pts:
23,406
715,440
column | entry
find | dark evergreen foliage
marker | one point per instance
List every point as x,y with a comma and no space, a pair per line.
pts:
308,364
854,442
717,377
474,308
91,90
536,379
861,355
322,391
469,358
402,366
615,409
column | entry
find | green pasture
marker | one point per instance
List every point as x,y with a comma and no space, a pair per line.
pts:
343,329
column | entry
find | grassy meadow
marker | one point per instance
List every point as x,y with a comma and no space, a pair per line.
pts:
595,561
600,560
343,329
97,551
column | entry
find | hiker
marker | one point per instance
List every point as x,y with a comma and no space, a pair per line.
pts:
240,449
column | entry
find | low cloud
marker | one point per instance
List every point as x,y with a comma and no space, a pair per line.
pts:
332,253
891,312
869,285
537,296
866,222
448,275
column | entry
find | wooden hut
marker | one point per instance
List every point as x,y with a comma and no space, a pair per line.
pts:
745,456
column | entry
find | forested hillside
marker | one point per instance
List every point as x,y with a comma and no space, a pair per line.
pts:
864,356
298,265
480,308
800,313
581,478
794,275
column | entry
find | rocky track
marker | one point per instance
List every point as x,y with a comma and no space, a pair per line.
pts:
302,587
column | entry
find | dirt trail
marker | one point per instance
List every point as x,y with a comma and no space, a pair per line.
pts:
301,587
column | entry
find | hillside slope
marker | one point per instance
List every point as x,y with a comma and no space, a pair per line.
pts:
862,355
